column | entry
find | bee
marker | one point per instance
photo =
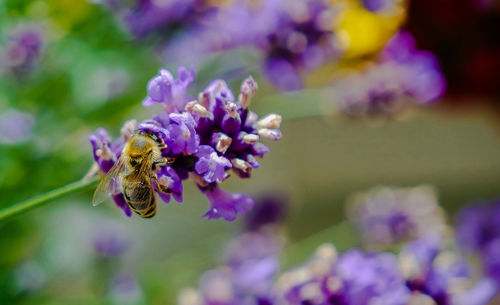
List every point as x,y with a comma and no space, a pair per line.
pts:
134,173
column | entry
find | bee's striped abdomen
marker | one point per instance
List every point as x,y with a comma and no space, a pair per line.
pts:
141,200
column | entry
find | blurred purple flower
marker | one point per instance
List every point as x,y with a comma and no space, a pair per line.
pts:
22,49
292,36
402,74
376,6
354,278
478,232
302,40
423,273
125,290
436,273
203,138
222,29
15,126
386,216
283,74
424,80
246,276
111,241
269,209
143,17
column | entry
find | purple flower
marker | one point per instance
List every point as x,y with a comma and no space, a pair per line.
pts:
169,180
292,37
142,17
210,165
422,77
120,202
101,147
183,137
15,126
435,272
246,277
386,216
125,288
368,276
221,29
376,6
401,75
202,140
283,74
269,209
302,40
353,278
111,241
22,49
171,93
478,232
253,257
226,205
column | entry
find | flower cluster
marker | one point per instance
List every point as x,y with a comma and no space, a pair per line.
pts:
402,73
21,50
436,274
204,138
425,272
386,216
428,270
351,278
302,40
292,36
478,232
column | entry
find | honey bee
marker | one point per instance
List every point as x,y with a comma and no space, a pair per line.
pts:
134,173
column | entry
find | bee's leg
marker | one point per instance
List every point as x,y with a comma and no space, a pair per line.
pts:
159,186
164,161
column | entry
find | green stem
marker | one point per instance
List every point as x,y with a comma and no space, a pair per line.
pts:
29,204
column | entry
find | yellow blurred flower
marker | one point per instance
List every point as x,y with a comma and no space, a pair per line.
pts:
361,32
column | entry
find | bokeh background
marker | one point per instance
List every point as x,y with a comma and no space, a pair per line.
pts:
91,70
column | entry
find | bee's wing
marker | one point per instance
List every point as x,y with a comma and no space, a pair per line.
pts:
108,183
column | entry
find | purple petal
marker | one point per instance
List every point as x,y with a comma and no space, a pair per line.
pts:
227,205
168,178
119,200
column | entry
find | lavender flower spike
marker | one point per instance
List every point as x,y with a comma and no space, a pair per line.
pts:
201,139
